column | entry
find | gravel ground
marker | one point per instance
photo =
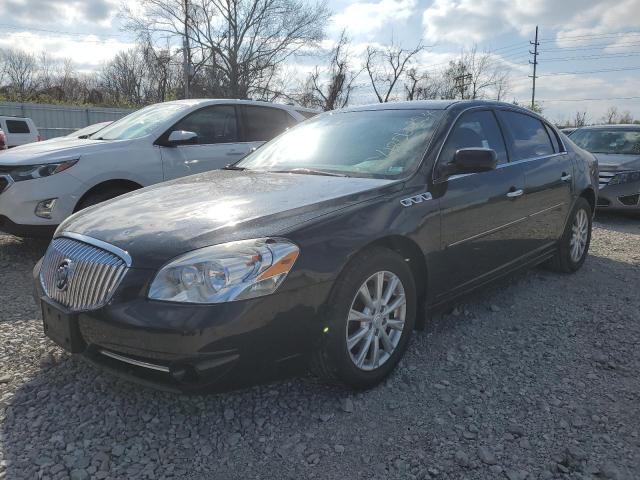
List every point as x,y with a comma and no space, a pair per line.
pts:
534,377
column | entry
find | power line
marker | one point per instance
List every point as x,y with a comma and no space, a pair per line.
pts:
624,69
577,38
60,32
591,47
591,57
588,99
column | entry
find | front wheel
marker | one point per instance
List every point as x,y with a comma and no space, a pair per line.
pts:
371,318
574,244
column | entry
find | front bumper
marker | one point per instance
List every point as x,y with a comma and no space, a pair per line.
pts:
18,202
620,197
185,347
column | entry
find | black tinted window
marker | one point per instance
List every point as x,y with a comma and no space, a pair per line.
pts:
264,123
554,138
17,126
212,124
475,130
529,136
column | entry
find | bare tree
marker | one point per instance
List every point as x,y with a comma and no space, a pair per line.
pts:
386,66
580,119
420,86
626,117
241,42
21,71
333,89
611,115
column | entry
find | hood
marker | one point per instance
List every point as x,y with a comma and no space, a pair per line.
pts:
52,151
614,163
157,223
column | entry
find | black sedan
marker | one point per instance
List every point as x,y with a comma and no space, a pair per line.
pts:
324,249
617,148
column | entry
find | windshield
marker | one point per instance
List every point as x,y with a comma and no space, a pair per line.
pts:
374,144
140,123
612,141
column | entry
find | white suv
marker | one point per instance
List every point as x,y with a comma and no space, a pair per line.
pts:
43,183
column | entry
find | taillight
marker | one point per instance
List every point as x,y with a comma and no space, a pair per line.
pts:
40,138
3,141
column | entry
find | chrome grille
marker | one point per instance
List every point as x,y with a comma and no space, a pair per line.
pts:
81,276
605,178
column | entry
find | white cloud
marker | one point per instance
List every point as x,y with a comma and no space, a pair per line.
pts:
467,21
366,18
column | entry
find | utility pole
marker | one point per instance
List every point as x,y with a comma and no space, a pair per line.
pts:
535,44
462,82
185,50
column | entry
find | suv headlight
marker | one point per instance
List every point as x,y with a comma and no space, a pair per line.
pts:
625,177
226,272
31,172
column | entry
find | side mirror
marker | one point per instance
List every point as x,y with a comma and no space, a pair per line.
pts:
181,137
472,160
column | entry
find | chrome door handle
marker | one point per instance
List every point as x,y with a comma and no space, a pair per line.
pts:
515,193
565,177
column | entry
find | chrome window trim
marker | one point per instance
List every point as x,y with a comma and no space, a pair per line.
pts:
493,109
124,255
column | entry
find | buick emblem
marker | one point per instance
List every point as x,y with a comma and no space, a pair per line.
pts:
63,275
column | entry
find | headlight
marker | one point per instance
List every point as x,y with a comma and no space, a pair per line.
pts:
227,272
31,172
625,177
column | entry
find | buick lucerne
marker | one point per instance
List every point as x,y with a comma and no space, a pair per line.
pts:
323,249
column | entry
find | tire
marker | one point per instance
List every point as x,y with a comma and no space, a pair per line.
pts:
101,196
332,360
567,260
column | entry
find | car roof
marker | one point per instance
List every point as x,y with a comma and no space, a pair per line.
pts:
612,127
432,105
218,101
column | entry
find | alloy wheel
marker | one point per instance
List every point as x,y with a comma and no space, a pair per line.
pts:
376,320
579,235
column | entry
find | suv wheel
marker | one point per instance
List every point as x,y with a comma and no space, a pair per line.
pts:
371,319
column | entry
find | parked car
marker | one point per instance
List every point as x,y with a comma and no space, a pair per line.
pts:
44,183
617,148
321,248
19,131
3,140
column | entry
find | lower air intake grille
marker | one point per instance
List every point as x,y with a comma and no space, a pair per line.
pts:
80,276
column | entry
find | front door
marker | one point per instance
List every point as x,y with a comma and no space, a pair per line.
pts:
482,214
217,144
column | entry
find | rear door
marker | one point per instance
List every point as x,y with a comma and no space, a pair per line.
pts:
548,174
261,124
218,143
482,213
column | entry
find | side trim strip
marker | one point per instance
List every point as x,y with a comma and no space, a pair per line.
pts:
100,244
546,210
135,362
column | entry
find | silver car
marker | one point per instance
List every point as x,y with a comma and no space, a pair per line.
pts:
617,148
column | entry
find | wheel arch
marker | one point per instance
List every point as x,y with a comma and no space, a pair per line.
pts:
106,185
590,196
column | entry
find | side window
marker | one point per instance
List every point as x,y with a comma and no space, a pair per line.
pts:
17,126
215,124
264,123
528,135
307,114
475,130
554,138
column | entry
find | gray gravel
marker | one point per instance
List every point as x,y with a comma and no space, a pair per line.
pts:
535,377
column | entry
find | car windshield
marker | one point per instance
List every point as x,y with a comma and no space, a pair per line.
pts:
140,123
374,144
612,141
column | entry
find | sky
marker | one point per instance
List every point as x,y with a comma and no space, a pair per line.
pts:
589,49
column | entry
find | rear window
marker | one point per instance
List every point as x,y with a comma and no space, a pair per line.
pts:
529,137
612,141
264,123
17,126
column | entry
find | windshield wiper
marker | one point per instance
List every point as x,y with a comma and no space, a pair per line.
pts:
231,166
310,171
